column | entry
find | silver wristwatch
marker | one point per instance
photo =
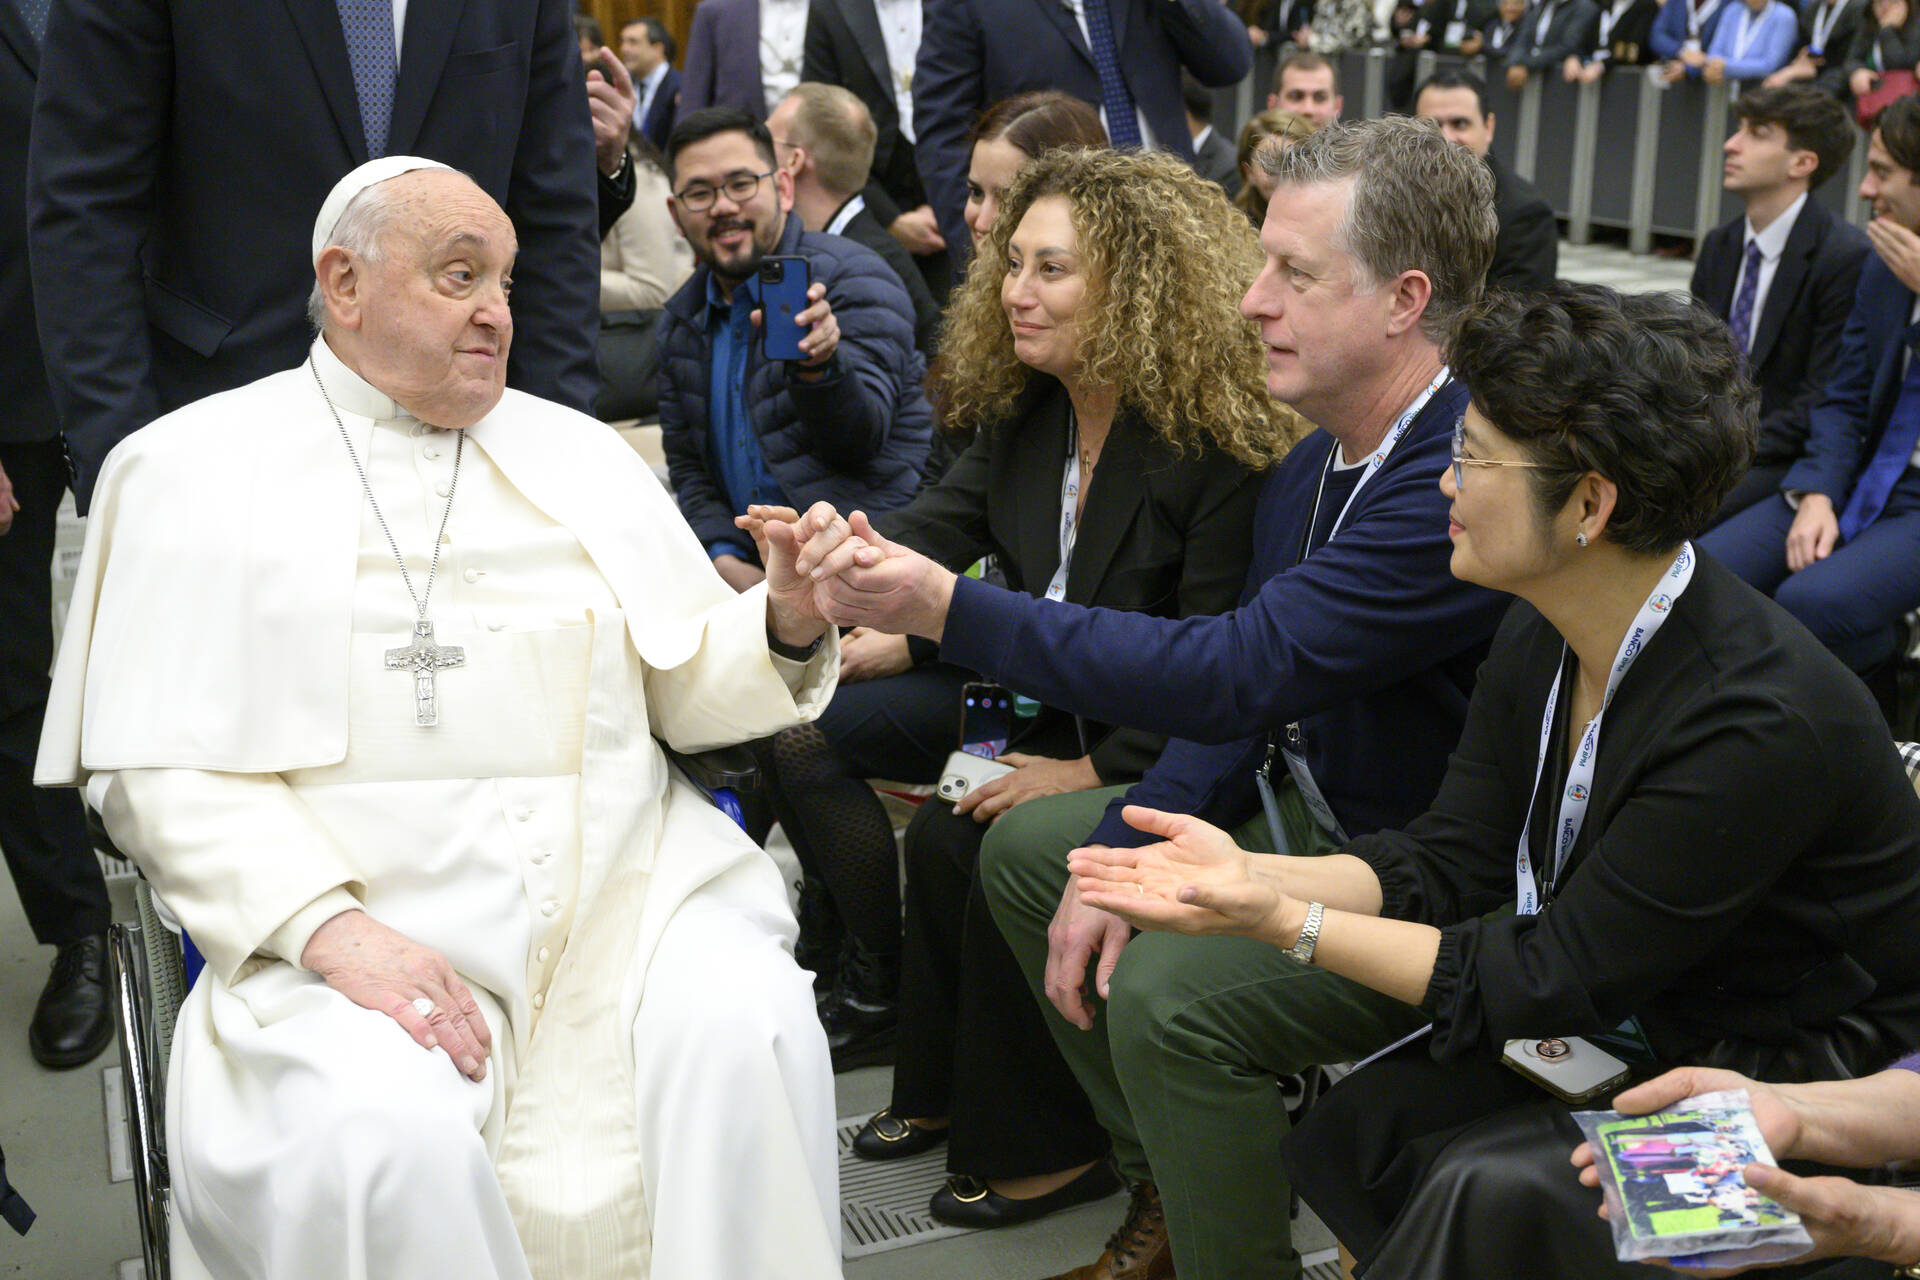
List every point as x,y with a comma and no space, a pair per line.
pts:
1302,949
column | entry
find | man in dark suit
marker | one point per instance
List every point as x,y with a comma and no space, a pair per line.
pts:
1527,255
739,53
179,151
646,46
1783,274
823,136
42,833
1839,545
1551,31
869,47
1124,56
1213,155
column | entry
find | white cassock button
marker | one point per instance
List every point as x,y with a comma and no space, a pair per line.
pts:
539,999
432,454
549,908
474,575
496,626
419,429
544,953
540,858
441,489
523,814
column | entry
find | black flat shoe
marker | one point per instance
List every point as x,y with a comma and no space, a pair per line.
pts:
967,1202
891,1137
71,1024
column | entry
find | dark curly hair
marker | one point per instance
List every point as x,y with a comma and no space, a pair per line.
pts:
1644,389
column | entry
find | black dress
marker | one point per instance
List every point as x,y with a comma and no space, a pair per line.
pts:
1745,888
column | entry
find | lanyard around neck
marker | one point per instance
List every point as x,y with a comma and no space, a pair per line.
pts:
1578,792
1070,482
1374,463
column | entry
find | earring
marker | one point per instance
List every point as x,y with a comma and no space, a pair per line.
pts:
1580,539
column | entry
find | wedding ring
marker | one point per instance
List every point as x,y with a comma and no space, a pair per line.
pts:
423,1006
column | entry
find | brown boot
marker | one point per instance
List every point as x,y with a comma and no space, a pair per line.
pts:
1139,1249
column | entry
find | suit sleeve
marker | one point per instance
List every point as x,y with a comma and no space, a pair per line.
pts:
1526,254
99,136
1836,276
847,415
947,520
1209,37
697,81
1837,427
1669,29
551,198
949,90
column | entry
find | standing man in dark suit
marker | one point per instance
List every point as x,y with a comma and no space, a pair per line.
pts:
1551,31
1783,274
1124,56
1839,546
180,149
823,136
42,833
870,47
646,46
1527,254
743,54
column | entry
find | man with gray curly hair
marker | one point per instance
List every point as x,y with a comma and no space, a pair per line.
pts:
1324,708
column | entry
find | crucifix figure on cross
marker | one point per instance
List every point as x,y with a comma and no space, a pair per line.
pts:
424,658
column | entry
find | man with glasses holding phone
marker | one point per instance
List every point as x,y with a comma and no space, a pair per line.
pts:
847,421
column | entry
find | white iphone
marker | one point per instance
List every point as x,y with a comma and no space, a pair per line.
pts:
964,772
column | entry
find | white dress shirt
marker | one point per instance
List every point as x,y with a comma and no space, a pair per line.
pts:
647,88
1772,242
900,28
783,38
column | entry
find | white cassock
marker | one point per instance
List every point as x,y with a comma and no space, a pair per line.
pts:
659,1098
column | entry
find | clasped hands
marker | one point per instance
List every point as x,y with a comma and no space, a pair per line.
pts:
839,571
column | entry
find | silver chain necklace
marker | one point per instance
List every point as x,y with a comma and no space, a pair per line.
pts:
422,656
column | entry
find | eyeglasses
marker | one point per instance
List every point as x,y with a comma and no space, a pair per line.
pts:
740,188
1461,461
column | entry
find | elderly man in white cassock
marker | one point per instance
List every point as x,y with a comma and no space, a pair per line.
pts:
365,665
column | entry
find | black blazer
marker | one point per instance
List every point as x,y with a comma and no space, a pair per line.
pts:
1569,31
1748,872
1217,161
1526,255
26,411
844,47
1796,336
1628,42
1160,534
181,151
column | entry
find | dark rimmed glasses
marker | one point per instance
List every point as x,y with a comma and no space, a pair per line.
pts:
740,188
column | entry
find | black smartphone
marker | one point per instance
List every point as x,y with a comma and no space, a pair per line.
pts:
986,719
783,296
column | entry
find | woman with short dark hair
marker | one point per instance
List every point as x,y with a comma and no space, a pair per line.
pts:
1728,875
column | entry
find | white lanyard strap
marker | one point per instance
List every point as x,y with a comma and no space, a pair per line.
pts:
1748,31
1373,464
1824,16
1578,792
1697,16
1069,511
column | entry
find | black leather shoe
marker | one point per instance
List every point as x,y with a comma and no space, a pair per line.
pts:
860,1013
967,1202
891,1137
71,1024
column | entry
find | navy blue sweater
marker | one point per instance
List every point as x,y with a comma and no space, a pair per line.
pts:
1370,643
857,437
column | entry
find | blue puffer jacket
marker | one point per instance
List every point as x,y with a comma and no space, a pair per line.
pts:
857,438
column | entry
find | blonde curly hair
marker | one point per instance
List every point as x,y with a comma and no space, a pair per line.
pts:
1166,260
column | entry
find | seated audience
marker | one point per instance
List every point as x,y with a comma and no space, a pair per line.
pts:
1279,129
1683,31
1308,85
877,725
1839,545
848,422
1751,42
1340,25
1440,27
1355,646
463,926
1212,154
1677,905
1850,1124
823,136
1280,23
1828,29
1620,39
1497,36
1551,32
1782,275
1104,472
644,259
1527,254
1889,43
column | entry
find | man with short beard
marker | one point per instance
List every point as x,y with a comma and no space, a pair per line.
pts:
847,423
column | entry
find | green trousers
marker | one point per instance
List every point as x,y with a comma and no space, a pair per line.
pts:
1183,1061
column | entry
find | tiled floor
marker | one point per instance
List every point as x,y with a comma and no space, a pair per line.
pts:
55,1131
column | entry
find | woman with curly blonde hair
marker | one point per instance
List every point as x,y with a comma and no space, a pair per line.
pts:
1121,416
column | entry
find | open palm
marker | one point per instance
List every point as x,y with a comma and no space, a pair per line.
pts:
1196,880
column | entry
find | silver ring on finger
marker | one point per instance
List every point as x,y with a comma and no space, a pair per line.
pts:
423,1006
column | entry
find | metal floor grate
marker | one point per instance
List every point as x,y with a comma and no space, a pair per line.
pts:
883,1204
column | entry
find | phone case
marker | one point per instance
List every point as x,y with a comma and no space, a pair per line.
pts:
1571,1069
964,772
781,300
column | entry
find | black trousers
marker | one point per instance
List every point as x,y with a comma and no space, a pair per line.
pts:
971,1042
43,833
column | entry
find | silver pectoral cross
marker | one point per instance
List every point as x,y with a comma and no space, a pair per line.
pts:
424,658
